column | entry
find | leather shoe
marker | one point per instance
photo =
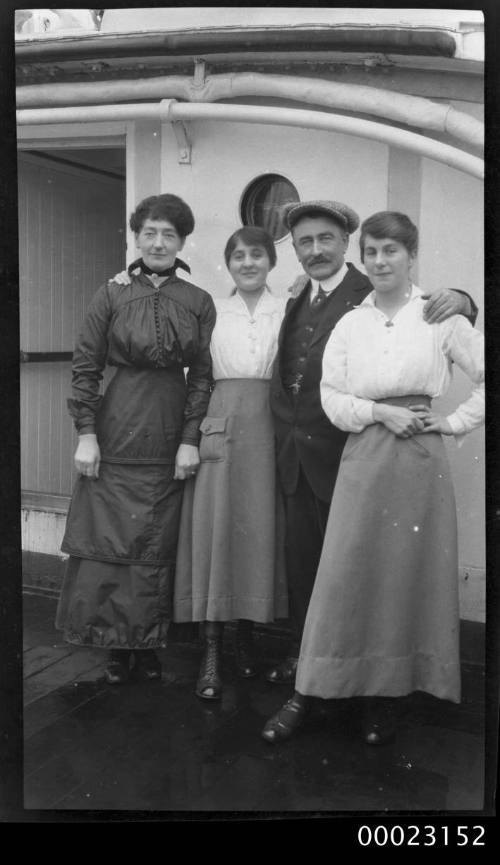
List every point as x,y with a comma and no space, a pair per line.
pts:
117,671
378,733
283,724
283,673
245,667
380,721
147,665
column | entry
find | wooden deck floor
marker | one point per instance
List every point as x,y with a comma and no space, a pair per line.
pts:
155,746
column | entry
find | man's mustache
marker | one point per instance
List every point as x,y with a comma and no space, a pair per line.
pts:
320,259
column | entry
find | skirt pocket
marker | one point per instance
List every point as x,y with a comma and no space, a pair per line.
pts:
213,439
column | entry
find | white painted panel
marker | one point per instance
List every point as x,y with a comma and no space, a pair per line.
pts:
71,238
227,157
451,254
42,532
451,231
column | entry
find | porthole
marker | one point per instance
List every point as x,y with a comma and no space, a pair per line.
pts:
265,201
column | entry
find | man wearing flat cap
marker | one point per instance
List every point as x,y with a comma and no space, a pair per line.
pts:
309,447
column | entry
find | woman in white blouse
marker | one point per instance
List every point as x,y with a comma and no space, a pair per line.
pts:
383,620
230,562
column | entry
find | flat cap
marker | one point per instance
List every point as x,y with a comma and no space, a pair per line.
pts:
341,213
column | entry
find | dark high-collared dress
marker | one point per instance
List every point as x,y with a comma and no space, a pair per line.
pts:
121,531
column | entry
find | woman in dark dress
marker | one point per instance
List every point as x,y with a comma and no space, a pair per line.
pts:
137,443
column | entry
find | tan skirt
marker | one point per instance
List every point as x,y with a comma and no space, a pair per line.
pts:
230,555
384,618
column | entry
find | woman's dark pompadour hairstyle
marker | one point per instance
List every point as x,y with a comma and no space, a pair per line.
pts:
391,224
166,206
251,235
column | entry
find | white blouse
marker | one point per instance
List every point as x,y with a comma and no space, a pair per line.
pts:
365,360
244,345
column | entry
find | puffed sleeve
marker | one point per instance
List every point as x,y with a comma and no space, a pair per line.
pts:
199,377
464,345
89,360
344,410
472,314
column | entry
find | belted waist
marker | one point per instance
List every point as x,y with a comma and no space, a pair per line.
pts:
406,401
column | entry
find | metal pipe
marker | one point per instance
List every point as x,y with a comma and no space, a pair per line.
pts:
398,107
87,114
168,110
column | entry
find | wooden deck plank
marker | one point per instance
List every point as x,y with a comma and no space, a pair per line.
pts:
46,711
40,658
99,738
153,745
63,672
159,729
64,778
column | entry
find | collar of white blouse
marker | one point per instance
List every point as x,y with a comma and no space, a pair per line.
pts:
266,303
370,299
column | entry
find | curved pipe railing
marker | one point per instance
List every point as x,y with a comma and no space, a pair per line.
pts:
168,110
397,107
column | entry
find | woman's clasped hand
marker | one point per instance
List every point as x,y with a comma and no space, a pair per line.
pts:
401,421
433,422
405,422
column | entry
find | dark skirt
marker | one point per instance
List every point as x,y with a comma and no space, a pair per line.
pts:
129,515
383,618
121,531
112,606
230,556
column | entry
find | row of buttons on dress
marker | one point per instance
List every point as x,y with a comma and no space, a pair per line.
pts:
252,336
156,303
388,330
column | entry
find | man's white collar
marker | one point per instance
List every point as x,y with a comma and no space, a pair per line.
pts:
331,282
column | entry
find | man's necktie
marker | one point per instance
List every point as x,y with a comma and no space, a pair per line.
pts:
321,295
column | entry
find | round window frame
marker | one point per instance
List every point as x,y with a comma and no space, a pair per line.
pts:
256,179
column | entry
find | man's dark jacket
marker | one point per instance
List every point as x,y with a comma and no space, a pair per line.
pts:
305,437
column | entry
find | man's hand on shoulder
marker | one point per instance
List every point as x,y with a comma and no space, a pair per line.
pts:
122,278
443,303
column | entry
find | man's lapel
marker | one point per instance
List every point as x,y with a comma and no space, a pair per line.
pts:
347,295
291,308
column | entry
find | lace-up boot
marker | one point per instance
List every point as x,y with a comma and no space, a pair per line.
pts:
209,684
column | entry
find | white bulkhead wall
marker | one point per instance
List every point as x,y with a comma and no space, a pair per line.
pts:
227,157
452,254
446,203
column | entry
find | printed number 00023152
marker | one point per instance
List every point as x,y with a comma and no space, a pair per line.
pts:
421,836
